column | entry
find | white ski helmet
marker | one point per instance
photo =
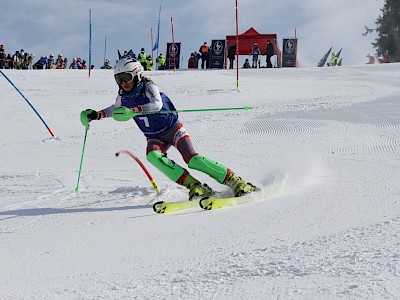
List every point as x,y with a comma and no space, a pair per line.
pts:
130,66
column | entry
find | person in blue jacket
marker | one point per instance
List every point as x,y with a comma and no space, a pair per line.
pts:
140,98
41,63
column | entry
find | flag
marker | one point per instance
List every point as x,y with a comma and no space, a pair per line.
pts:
324,58
338,54
158,29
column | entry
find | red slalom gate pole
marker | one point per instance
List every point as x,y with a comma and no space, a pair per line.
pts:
152,181
173,43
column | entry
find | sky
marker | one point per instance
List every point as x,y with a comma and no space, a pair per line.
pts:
52,26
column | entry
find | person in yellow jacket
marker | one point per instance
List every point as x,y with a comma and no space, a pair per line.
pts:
161,59
149,63
142,57
334,60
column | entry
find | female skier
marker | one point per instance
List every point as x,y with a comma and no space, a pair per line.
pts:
138,95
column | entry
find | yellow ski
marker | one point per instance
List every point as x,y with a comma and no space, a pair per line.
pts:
210,203
163,207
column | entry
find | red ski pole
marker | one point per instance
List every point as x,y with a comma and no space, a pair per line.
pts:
152,181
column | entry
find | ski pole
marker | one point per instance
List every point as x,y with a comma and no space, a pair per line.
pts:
199,110
9,80
152,181
123,113
80,165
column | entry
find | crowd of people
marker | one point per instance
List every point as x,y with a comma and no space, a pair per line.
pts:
255,54
19,60
201,58
372,59
22,60
59,63
146,60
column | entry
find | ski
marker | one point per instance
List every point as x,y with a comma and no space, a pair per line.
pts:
163,207
215,201
211,203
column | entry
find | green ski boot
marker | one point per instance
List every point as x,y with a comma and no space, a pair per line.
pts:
239,186
197,190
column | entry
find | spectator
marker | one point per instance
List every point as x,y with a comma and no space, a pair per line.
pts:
9,63
15,60
255,52
371,59
40,64
149,63
84,66
384,59
20,59
79,63
231,55
161,62
334,60
192,62
142,56
50,62
269,53
106,64
205,55
30,60
60,62
246,64
198,56
25,62
2,57
74,64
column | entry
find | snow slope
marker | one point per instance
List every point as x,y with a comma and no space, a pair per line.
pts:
322,143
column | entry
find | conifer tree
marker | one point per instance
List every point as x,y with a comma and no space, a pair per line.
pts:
387,42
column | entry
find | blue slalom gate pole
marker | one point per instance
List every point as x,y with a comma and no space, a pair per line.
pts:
27,101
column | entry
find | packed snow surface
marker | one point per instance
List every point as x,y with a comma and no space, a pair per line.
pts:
323,144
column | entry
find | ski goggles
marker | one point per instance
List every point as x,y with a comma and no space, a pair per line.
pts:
127,77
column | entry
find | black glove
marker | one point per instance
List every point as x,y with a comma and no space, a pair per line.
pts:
89,115
92,115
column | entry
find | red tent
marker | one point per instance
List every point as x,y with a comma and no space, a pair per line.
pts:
247,40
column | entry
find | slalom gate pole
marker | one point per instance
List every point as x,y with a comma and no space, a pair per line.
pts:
27,101
173,42
152,181
90,41
80,165
237,47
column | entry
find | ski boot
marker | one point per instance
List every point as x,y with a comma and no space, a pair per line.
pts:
197,190
239,186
